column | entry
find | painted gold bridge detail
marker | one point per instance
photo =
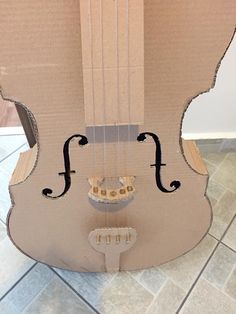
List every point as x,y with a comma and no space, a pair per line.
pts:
102,194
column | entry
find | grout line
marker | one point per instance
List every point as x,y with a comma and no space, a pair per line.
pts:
115,274
207,161
149,290
204,267
228,278
217,200
222,238
216,166
229,189
152,303
219,165
16,283
230,248
221,290
75,291
36,296
13,152
155,296
218,183
2,222
213,236
196,280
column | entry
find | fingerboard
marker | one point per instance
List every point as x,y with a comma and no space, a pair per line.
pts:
112,34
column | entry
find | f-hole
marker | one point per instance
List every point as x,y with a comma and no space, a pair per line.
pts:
158,163
67,169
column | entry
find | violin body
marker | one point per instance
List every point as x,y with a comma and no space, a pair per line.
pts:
154,207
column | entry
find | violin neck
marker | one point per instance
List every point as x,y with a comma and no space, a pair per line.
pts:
113,66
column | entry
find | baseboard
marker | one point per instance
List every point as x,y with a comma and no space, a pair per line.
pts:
12,130
210,135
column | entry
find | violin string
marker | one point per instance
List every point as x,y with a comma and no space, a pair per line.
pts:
92,76
129,100
104,109
118,101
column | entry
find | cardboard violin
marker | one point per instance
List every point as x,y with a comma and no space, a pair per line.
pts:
106,84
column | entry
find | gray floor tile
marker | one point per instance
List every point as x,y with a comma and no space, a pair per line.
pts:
26,290
13,265
226,172
184,270
136,273
218,227
215,190
210,167
2,231
10,143
230,237
6,169
168,300
223,212
230,286
124,295
206,299
41,291
153,279
228,145
214,158
220,266
57,298
89,285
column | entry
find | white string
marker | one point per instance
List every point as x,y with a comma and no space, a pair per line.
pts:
104,93
128,82
128,61
92,66
104,107
118,99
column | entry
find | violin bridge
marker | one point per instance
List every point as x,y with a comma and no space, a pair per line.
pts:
107,195
112,242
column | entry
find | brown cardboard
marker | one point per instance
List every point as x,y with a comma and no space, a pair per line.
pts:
41,67
112,42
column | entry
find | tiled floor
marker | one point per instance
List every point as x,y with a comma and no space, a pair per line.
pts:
202,281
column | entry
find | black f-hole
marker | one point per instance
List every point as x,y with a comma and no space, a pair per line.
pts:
67,178
158,163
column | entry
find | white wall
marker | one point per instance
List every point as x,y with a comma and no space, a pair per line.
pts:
213,114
